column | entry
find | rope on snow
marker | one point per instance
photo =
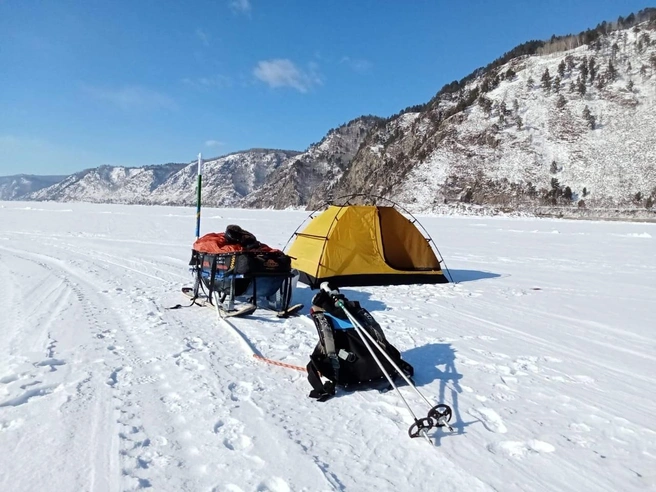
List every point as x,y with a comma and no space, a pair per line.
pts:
279,363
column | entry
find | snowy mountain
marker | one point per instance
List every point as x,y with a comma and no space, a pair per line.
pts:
226,180
550,128
557,127
560,127
309,177
13,187
108,184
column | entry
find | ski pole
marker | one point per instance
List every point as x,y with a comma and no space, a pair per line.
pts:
356,323
441,413
422,424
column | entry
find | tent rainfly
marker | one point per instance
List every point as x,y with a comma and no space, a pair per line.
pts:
359,245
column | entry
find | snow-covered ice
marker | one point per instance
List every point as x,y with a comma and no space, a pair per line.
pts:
545,349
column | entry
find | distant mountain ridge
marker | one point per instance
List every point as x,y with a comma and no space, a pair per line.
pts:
18,186
562,126
109,184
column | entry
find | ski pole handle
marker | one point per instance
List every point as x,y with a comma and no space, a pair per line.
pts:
333,293
325,286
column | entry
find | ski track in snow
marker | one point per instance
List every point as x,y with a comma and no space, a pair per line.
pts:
547,361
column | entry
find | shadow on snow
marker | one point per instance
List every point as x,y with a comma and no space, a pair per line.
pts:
460,276
304,296
436,361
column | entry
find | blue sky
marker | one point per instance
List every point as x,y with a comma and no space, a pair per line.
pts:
88,82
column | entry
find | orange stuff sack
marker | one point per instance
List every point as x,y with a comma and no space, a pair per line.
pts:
215,243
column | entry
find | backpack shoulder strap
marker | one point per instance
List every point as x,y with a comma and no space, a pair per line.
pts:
327,343
326,333
320,391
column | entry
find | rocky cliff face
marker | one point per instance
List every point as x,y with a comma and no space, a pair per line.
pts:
549,129
309,177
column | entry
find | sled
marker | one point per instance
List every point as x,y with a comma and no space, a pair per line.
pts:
244,311
238,274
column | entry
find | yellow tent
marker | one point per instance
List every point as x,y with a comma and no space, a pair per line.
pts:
364,245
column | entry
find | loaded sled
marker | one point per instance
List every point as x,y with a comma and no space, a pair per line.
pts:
235,272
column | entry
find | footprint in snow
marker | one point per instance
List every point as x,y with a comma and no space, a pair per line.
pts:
152,458
466,360
232,432
11,424
579,378
273,484
524,365
240,391
503,393
9,379
122,375
30,395
52,363
509,381
229,487
490,355
237,442
106,334
196,343
186,361
175,403
490,419
519,449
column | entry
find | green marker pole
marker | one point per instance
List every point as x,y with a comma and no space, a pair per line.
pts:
200,182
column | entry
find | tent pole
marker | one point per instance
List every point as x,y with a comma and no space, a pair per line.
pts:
198,193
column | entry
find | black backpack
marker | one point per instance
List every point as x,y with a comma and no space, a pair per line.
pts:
340,355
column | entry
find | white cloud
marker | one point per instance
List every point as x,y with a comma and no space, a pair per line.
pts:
357,64
283,73
131,97
203,36
213,81
214,143
241,6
